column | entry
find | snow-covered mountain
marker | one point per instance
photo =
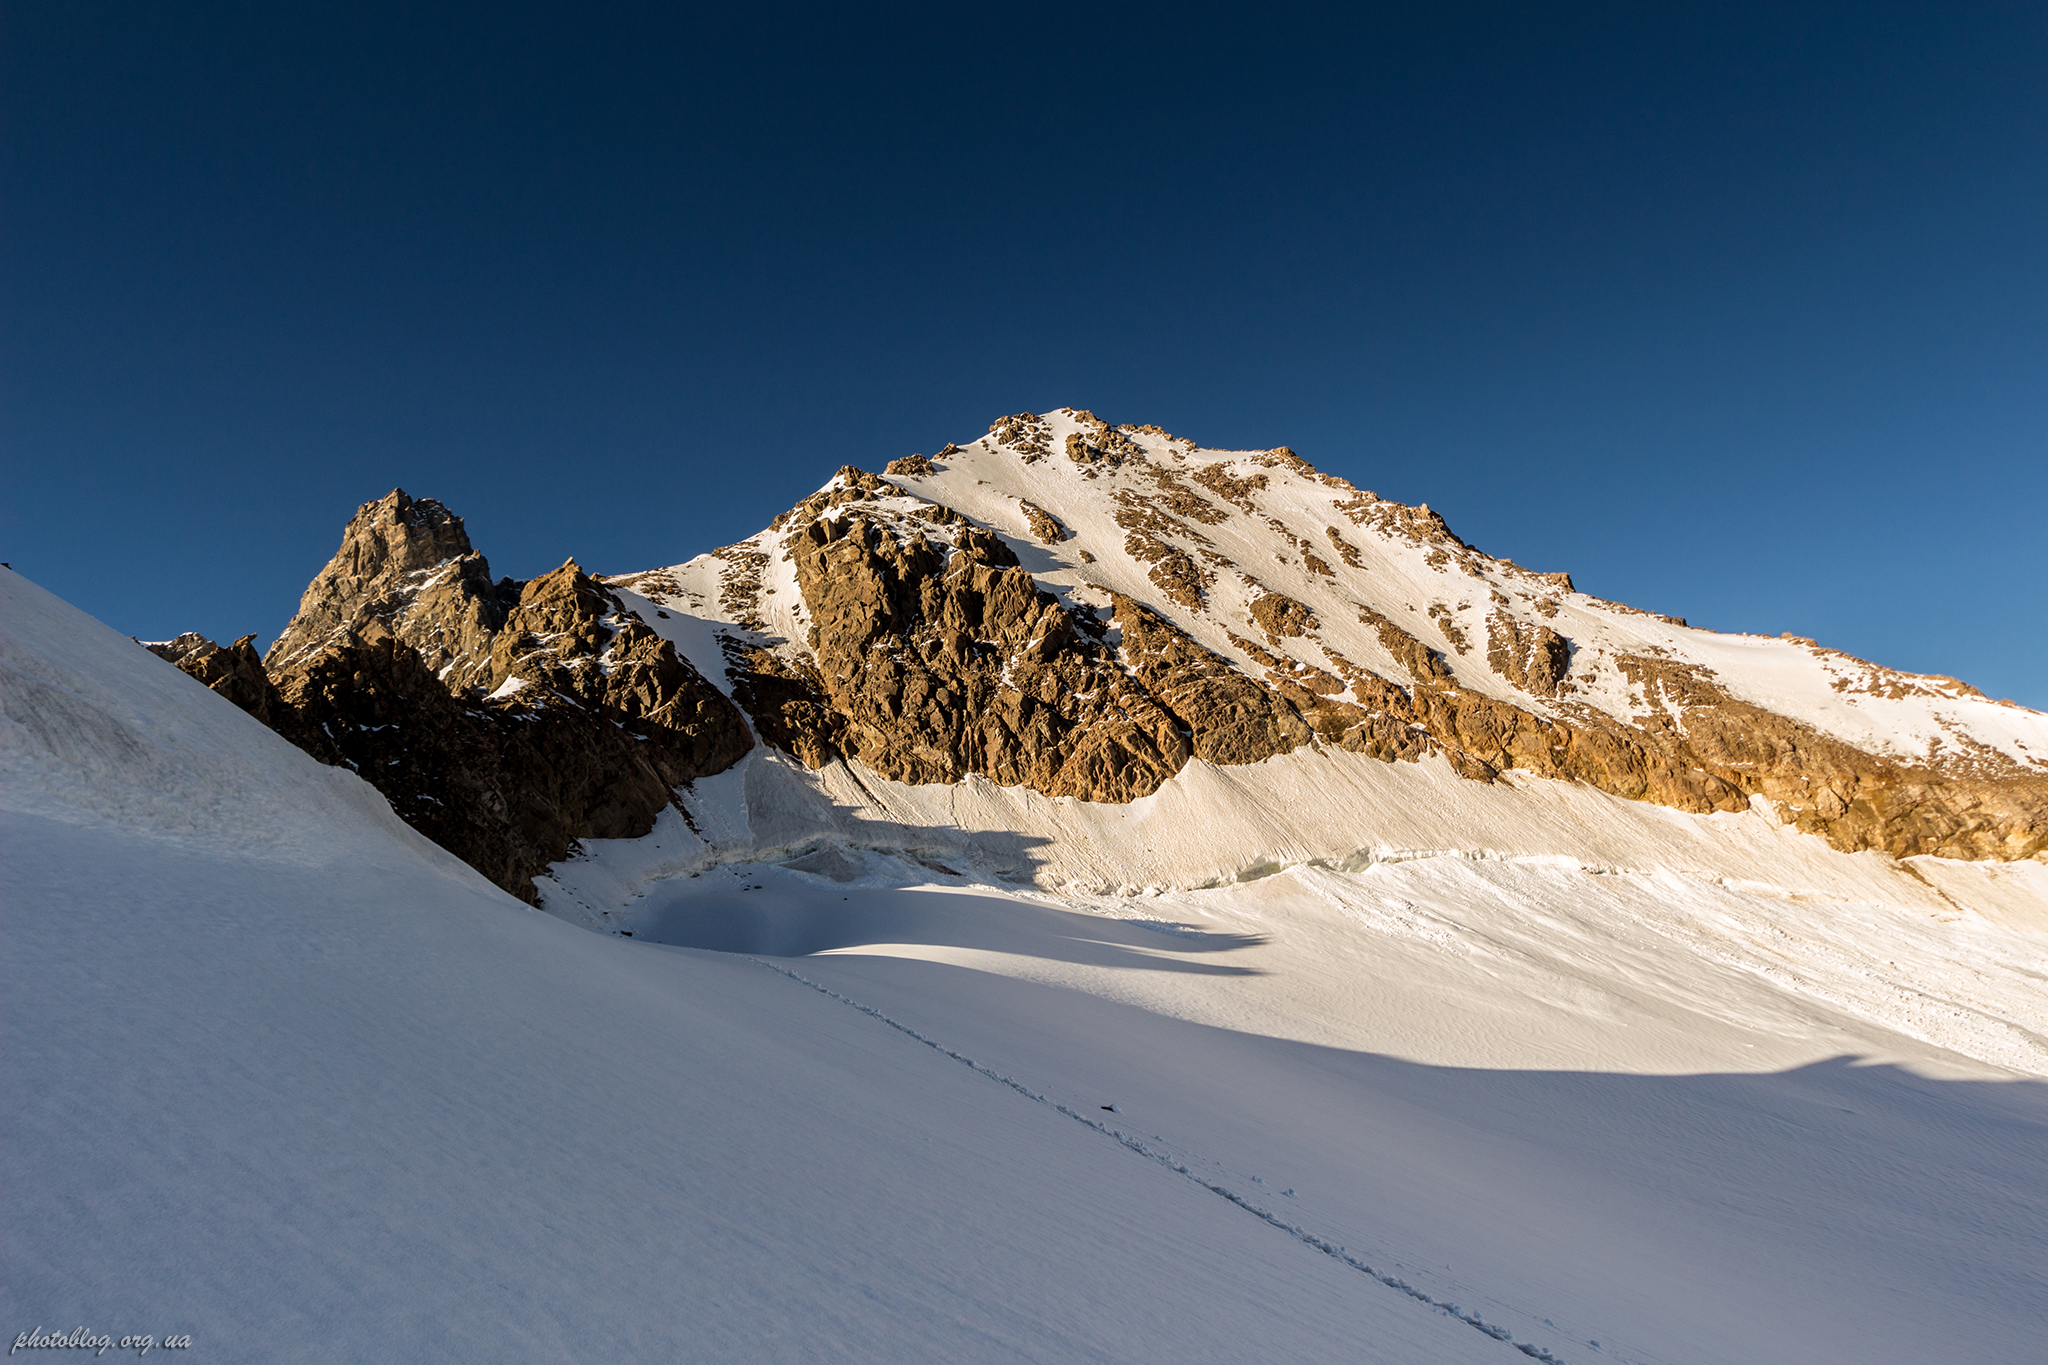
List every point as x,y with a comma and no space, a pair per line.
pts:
1105,665
1076,895
1141,601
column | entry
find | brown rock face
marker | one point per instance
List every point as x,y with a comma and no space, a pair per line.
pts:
1230,718
395,552
1174,571
1424,664
1702,750
1853,799
504,721
1280,615
1026,432
1044,525
938,656
1103,445
945,660
1533,658
506,786
571,636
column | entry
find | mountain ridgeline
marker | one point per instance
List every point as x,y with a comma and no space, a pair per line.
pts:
1083,609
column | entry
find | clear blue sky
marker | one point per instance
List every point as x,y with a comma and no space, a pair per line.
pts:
1737,313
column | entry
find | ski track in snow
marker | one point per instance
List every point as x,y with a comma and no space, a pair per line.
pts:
1299,1234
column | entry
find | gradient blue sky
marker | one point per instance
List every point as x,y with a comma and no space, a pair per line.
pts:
1735,313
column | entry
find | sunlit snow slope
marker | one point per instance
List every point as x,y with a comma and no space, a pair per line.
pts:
1573,927
281,1076
966,1073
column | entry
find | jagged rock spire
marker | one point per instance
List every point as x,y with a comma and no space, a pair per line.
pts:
388,546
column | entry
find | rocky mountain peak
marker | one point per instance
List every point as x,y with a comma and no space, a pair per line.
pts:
390,550
504,720
1082,607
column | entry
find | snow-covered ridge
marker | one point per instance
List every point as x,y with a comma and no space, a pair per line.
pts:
1435,587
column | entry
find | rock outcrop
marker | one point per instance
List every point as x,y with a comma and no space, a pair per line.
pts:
936,655
507,785
409,562
1533,657
236,671
503,720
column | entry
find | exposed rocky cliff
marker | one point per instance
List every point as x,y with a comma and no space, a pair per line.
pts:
235,671
503,720
933,654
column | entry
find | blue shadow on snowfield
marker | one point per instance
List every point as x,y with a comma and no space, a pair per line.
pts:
765,911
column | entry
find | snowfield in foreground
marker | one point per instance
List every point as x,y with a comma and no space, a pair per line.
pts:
285,1077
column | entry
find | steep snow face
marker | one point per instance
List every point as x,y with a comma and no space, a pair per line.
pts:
1257,523
97,732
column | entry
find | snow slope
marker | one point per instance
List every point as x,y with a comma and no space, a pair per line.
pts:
903,1073
285,1078
1652,938
1687,1115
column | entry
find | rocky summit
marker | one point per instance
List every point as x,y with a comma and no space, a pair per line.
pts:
1082,610
503,720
